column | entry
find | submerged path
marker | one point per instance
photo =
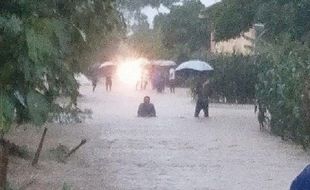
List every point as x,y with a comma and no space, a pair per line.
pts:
177,151
174,151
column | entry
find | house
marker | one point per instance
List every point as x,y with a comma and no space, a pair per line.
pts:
240,45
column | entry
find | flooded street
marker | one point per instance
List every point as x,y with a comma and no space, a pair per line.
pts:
70,80
177,151
172,151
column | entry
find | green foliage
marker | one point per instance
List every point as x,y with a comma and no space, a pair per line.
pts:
66,186
283,59
182,28
42,44
281,17
132,10
38,107
148,43
232,81
9,186
178,35
283,88
6,112
234,78
232,17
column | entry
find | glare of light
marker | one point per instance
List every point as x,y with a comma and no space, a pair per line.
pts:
129,71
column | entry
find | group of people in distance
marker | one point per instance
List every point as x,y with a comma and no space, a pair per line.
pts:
202,91
159,77
108,83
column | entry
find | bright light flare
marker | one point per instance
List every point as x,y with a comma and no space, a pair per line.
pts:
129,71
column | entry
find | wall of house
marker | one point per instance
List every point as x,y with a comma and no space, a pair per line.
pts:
238,45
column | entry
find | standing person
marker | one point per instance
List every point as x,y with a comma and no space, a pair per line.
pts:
94,81
93,76
146,109
172,80
161,83
153,77
202,91
108,83
157,82
145,79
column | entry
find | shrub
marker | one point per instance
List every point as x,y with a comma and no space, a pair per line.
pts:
283,88
234,78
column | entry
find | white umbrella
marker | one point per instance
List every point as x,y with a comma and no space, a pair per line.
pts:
106,64
196,65
164,63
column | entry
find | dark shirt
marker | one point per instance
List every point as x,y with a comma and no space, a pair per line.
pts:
146,110
302,181
203,92
199,91
108,80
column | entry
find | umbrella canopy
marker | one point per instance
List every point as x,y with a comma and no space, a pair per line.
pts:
196,65
106,64
164,63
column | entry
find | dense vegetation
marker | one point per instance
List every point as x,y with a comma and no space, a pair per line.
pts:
278,67
283,88
232,17
43,44
234,78
283,61
182,34
178,35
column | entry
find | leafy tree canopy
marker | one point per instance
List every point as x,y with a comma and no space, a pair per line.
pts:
183,29
42,44
231,17
148,43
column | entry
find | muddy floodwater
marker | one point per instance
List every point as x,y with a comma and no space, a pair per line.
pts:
172,151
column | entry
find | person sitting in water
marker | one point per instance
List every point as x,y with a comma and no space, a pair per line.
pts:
146,109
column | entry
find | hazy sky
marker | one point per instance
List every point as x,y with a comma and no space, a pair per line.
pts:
209,2
151,13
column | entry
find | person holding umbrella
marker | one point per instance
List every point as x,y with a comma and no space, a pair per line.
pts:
202,91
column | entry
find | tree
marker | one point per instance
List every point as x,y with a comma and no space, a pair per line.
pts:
148,43
132,9
232,17
43,43
183,30
282,87
234,78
